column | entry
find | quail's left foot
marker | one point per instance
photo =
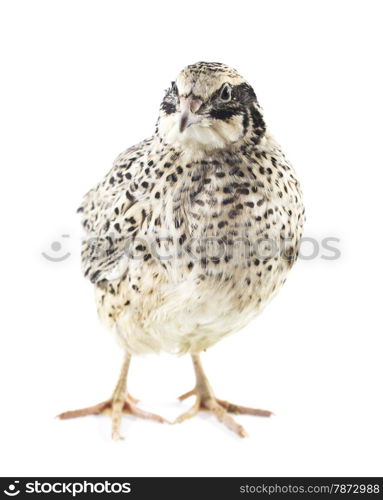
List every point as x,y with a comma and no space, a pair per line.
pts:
206,400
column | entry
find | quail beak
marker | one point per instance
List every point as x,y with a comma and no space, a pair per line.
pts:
188,106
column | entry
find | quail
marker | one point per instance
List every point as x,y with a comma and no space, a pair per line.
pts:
191,232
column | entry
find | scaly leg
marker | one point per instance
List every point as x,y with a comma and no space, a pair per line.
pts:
206,400
120,402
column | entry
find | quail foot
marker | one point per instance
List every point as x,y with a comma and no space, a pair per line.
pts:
191,232
120,402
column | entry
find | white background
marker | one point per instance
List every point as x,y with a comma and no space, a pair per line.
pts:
80,82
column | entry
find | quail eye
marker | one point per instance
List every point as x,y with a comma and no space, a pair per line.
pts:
174,88
225,94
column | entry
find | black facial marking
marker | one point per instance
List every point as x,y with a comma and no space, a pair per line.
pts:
245,123
223,113
258,122
168,107
245,94
169,103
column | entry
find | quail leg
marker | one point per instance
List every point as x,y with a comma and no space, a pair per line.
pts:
206,400
120,402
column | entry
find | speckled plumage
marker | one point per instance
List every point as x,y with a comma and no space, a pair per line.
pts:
193,230
157,197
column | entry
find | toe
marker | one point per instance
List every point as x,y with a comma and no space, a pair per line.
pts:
189,413
222,415
187,395
244,410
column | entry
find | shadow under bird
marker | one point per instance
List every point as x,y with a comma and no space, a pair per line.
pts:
191,233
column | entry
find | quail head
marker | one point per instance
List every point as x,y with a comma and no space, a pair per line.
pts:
191,232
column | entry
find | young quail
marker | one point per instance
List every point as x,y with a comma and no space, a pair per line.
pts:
191,232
